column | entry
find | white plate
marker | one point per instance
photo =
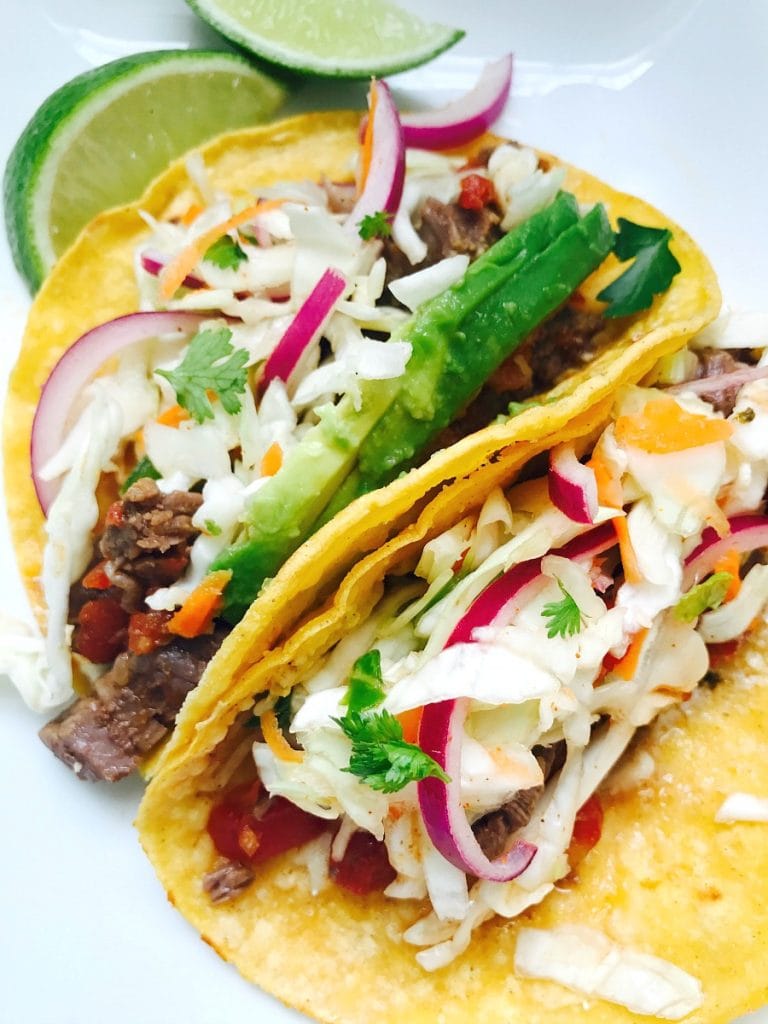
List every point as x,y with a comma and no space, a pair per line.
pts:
658,98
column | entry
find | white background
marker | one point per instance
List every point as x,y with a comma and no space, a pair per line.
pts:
664,98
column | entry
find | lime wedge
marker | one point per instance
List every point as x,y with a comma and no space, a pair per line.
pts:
334,38
101,138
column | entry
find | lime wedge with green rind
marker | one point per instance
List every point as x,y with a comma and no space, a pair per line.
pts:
101,138
333,38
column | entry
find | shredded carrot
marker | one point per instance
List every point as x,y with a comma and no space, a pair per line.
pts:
191,214
185,262
275,740
272,460
664,426
627,666
410,721
197,612
367,149
610,494
173,417
730,562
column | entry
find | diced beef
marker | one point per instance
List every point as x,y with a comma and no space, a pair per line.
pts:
564,342
147,539
494,830
135,706
714,362
227,880
447,229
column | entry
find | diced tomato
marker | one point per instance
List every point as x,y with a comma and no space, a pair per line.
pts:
101,629
114,515
720,653
147,630
476,192
587,830
239,835
364,867
96,578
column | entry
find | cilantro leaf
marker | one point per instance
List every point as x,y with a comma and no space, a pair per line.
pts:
381,757
146,469
651,272
375,225
212,528
365,683
709,594
202,370
565,615
225,253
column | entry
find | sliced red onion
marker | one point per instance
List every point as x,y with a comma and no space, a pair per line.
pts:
383,187
748,532
74,370
440,736
709,385
153,262
442,727
465,118
305,326
572,486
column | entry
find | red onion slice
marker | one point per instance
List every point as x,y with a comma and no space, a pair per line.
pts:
440,736
572,486
383,187
153,262
305,326
709,385
74,370
465,118
442,727
748,532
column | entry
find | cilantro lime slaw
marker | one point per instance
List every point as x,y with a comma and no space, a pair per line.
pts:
546,643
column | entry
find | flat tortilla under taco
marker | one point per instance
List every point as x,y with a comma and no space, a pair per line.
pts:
207,380
535,719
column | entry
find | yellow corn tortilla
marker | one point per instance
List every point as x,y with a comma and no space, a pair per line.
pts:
94,281
664,878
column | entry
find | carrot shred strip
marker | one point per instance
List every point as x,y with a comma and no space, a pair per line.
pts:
275,740
196,614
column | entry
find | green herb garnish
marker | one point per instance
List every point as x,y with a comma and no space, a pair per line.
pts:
374,225
202,370
212,528
746,415
225,254
565,615
366,685
381,757
709,594
145,469
651,272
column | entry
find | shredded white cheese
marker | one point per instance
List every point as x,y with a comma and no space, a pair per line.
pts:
589,962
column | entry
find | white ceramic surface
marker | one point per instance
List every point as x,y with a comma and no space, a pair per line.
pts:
665,99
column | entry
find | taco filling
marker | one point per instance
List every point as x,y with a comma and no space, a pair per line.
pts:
287,358
451,748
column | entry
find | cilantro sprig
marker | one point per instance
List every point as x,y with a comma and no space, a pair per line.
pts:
225,253
211,364
380,757
651,272
365,687
699,599
565,616
375,225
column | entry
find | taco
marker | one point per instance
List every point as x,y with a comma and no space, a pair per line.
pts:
490,779
207,380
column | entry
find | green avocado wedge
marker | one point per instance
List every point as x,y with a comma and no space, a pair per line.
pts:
458,339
